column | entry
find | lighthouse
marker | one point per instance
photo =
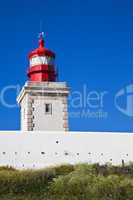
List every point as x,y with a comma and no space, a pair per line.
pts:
43,100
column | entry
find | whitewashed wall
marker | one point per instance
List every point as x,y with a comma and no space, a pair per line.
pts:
49,122
40,149
33,98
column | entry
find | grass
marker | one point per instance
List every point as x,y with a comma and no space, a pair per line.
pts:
68,182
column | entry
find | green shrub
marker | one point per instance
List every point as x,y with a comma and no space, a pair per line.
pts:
64,169
25,181
68,182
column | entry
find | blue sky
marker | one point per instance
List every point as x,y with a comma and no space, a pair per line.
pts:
93,41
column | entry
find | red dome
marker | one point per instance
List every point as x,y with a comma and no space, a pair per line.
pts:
41,50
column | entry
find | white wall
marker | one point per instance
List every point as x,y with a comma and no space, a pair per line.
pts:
49,122
33,98
63,147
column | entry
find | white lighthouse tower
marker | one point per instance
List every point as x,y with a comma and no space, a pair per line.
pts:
43,100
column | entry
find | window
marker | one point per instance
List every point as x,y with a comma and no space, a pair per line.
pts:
48,109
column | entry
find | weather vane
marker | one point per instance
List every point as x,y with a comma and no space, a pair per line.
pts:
41,35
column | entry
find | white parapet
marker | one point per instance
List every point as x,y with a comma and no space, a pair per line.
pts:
38,149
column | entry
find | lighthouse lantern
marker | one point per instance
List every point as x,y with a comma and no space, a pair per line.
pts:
42,63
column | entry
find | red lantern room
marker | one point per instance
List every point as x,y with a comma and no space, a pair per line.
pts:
42,67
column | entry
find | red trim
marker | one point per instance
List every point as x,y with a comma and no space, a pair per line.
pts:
42,73
41,52
39,77
39,68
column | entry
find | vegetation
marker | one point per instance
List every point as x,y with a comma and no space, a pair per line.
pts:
68,182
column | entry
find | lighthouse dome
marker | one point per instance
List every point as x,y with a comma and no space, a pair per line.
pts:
41,50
